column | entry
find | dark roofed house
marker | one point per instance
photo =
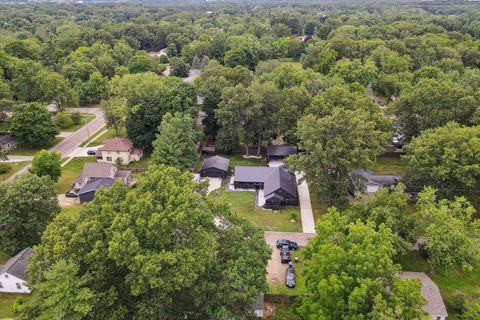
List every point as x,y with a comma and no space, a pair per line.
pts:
430,292
373,182
215,167
13,275
278,184
87,192
280,152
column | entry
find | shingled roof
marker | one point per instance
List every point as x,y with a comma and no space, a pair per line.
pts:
217,162
117,144
273,178
94,185
281,151
430,292
377,179
17,265
99,170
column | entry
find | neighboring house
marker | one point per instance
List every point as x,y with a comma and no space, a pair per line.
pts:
7,143
87,192
99,170
280,152
373,182
118,148
215,167
430,292
278,184
13,275
258,307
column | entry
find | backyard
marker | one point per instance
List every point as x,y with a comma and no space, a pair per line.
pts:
389,165
243,204
16,166
70,172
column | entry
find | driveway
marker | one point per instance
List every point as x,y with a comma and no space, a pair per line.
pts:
214,184
82,151
308,223
67,202
275,163
275,268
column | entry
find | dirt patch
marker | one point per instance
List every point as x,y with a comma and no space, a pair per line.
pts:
67,202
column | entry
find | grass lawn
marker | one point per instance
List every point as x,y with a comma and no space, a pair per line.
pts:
142,163
3,257
16,166
300,287
449,281
388,165
70,172
4,126
239,160
243,204
31,150
84,119
107,135
71,210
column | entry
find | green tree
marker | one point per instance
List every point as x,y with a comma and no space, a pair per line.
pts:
31,124
27,206
94,90
46,163
51,87
333,146
175,143
115,111
449,229
141,62
349,273
153,251
63,120
446,158
179,68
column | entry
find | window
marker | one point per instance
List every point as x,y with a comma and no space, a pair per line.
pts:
19,286
439,318
6,276
1,285
109,158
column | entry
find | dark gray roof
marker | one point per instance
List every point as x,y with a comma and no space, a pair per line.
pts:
6,138
273,178
281,151
217,162
377,179
16,266
95,184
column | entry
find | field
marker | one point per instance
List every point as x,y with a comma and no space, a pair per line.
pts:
243,204
70,172
16,166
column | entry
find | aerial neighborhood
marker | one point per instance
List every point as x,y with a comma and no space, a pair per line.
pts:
240,160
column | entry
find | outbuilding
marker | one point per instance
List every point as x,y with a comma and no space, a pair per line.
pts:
87,192
215,167
279,152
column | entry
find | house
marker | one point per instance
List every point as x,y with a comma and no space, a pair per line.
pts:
215,167
373,182
118,149
259,306
87,192
99,170
430,292
280,152
13,275
277,184
7,143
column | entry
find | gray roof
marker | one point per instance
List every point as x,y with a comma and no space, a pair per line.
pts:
281,151
6,138
99,170
430,292
377,179
17,265
95,184
217,162
273,178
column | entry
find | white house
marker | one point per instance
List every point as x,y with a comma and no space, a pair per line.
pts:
118,148
430,292
13,276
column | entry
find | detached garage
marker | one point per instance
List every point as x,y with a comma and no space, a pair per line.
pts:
215,167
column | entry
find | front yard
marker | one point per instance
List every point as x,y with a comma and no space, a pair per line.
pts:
70,172
243,204
31,150
16,166
84,119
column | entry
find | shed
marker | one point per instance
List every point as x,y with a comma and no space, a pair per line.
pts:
87,192
215,167
280,152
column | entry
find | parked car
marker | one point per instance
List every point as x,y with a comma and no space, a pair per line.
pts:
285,254
290,276
291,244
91,152
71,194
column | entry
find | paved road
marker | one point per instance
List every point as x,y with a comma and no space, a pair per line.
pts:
73,141
308,223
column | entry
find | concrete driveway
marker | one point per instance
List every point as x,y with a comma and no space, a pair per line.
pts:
82,151
214,184
308,223
275,268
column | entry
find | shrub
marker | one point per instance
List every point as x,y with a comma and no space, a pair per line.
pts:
76,118
457,302
63,120
5,167
293,216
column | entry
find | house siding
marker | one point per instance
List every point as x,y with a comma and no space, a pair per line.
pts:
213,173
9,284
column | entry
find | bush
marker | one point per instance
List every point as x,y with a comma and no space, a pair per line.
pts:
19,305
63,120
163,59
76,118
293,216
5,167
457,302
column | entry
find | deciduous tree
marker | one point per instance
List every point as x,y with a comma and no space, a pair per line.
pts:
46,163
31,124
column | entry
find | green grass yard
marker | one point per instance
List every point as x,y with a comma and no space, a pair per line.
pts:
449,281
84,119
300,287
31,150
16,166
4,126
243,204
388,165
70,172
